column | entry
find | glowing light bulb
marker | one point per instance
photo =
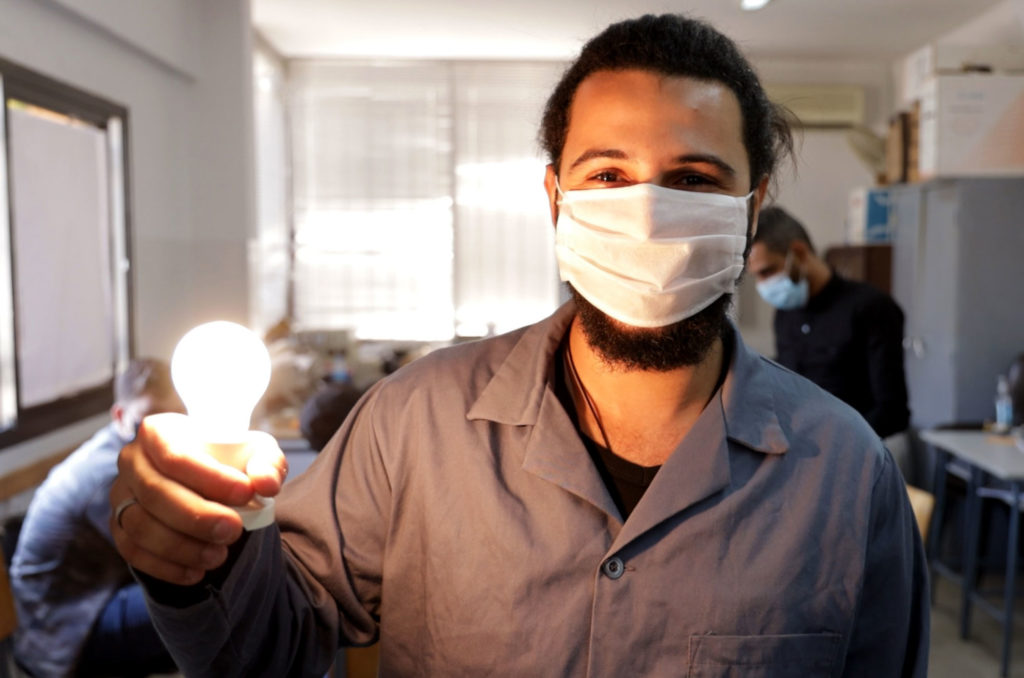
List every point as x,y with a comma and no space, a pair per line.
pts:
221,370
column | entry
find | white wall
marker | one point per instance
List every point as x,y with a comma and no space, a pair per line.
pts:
1001,24
269,249
163,31
183,70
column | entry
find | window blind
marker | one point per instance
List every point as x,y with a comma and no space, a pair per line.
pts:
418,198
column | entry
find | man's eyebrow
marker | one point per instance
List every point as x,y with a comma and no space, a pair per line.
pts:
688,158
592,153
708,159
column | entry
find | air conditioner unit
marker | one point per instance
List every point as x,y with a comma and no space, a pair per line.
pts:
821,105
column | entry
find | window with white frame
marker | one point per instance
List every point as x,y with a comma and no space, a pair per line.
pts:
419,209
64,293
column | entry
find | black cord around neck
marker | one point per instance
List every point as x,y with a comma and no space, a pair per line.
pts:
586,394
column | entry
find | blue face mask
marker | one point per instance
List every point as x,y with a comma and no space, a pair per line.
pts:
782,293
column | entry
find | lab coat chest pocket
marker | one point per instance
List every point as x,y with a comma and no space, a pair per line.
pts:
804,655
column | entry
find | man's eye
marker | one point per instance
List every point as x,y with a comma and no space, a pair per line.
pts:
693,180
607,176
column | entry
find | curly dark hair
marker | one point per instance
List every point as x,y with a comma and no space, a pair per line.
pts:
676,45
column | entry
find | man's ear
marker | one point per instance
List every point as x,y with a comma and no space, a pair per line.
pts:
552,191
801,253
117,415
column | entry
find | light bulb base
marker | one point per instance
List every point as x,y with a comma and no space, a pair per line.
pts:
257,514
233,453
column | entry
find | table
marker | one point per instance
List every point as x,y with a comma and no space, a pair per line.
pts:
988,456
995,454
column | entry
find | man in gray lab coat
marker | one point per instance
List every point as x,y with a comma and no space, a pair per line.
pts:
621,489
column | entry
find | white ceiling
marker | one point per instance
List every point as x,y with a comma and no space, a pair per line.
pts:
555,29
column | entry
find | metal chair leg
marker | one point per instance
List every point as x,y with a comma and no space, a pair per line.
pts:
938,513
972,528
1009,589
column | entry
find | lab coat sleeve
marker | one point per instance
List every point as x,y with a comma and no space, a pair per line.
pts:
293,595
891,628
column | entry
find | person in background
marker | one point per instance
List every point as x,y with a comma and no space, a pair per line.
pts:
80,611
326,409
845,336
620,489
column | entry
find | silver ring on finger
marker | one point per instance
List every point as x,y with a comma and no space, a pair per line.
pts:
121,508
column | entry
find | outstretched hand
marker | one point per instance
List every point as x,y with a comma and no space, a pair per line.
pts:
172,501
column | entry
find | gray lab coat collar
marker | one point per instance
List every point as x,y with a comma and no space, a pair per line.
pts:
748,396
521,393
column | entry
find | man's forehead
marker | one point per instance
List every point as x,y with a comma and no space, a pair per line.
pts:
613,107
762,257
693,89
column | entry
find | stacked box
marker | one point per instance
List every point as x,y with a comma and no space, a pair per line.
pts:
901,146
971,125
921,66
896,149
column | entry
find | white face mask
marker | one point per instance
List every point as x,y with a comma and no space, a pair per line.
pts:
647,255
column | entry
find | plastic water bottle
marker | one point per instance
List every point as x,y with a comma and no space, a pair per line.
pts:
1004,405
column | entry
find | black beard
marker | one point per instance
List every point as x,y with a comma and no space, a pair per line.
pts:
660,349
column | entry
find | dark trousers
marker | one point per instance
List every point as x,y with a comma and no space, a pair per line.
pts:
123,642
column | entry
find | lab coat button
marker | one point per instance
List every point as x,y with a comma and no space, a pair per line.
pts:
613,568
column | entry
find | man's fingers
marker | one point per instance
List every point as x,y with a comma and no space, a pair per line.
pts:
152,564
152,536
175,451
176,499
267,467
182,510
151,545
175,507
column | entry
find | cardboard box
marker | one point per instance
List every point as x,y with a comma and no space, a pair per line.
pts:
971,125
867,216
901,147
896,149
913,148
920,66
